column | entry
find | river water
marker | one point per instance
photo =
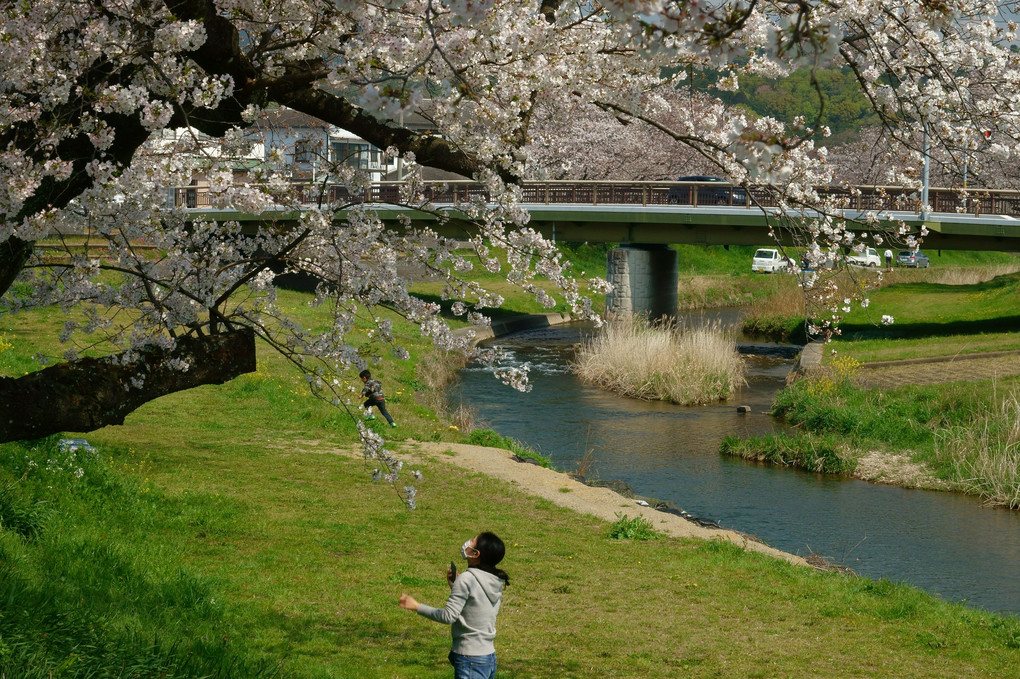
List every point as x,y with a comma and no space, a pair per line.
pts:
947,544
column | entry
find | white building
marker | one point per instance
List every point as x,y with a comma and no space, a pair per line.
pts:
308,146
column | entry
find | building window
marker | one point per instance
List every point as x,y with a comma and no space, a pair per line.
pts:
358,155
305,150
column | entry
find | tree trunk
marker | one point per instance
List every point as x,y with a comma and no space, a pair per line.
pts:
94,392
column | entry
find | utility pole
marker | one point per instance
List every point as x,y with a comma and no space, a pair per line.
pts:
924,173
400,158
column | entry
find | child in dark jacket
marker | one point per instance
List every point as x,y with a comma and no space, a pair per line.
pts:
373,395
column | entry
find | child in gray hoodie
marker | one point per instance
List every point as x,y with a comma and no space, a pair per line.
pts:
471,610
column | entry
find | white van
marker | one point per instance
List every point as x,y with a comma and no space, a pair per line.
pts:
768,260
868,257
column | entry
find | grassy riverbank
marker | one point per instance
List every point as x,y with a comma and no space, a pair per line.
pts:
965,434
964,431
219,531
967,303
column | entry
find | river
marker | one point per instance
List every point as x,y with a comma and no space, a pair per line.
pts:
945,543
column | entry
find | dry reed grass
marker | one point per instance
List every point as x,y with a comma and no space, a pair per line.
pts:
699,292
434,375
985,456
788,300
949,275
465,418
663,362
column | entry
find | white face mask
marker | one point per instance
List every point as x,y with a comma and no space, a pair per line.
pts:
465,547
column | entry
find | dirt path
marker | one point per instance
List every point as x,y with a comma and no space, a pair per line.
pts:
937,370
562,490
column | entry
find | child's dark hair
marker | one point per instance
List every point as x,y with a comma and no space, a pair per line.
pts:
366,374
491,551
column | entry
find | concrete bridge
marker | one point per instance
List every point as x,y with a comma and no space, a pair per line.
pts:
647,216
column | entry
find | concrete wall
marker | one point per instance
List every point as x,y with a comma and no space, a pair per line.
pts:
644,279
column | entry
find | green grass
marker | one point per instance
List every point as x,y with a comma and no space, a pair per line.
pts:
870,350
238,556
220,532
961,431
966,258
904,418
965,432
826,454
85,586
925,310
934,320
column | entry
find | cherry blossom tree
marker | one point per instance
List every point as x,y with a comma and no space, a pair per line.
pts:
605,145
89,87
874,158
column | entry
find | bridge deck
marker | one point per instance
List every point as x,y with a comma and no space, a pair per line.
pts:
670,212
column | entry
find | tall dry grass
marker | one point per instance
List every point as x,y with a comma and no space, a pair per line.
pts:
985,456
434,375
663,362
949,275
702,292
777,316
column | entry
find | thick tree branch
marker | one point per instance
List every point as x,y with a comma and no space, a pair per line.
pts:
429,149
94,392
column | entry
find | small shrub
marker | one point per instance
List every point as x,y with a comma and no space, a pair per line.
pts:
486,437
634,528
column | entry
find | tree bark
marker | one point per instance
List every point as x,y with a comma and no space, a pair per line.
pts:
90,393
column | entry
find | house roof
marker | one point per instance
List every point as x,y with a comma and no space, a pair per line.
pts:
287,117
429,174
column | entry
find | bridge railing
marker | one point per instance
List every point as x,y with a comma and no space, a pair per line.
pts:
691,194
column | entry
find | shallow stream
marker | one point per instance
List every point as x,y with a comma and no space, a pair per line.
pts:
948,544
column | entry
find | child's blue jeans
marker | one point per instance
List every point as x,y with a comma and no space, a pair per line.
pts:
473,666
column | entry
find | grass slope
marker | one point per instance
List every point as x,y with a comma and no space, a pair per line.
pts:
272,557
218,533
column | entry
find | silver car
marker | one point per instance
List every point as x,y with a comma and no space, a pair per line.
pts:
917,260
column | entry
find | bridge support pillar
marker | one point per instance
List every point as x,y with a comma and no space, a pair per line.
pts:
644,279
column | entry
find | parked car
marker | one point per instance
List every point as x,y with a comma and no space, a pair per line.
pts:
915,259
867,257
769,260
707,195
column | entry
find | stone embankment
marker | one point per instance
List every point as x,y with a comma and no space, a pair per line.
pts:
498,328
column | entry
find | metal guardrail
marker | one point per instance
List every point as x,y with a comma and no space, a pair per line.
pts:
693,194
